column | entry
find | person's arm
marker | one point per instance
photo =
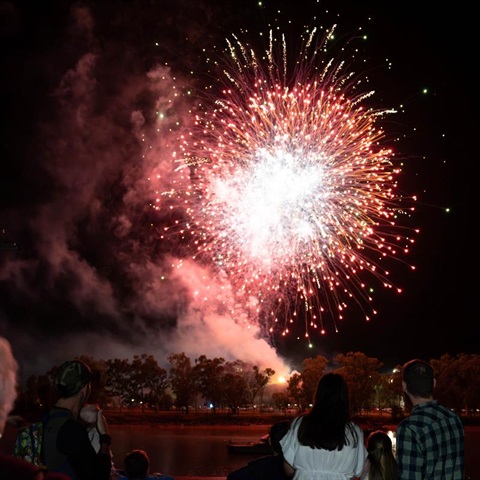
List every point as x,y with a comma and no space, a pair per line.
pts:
288,445
105,439
288,469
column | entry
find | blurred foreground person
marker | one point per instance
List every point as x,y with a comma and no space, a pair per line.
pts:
431,441
324,444
136,466
380,463
12,468
269,467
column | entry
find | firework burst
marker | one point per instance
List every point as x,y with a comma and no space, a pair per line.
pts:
286,186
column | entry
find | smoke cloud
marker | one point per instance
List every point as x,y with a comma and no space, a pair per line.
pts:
101,100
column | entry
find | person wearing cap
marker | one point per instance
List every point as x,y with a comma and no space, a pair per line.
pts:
66,443
10,466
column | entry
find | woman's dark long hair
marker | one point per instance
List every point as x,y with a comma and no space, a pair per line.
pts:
327,424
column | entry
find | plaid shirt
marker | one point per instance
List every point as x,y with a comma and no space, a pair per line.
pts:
430,444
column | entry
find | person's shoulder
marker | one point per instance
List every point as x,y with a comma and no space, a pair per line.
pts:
71,430
358,429
268,461
270,466
59,416
58,412
73,426
242,473
297,421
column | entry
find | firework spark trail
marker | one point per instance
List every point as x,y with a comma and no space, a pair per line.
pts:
286,186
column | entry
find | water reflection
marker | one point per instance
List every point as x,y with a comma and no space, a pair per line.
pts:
185,451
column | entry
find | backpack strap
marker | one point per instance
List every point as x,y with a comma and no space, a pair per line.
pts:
65,467
33,442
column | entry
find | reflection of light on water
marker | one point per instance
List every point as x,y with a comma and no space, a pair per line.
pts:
393,438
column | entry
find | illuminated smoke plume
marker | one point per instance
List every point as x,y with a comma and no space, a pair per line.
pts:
91,276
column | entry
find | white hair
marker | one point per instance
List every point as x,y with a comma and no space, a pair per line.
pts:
8,381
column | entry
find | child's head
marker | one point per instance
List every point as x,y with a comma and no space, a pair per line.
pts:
379,440
277,432
89,413
136,464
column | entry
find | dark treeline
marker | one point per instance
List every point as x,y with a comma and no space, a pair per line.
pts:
217,384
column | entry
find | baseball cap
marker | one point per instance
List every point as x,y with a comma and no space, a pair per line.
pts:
71,377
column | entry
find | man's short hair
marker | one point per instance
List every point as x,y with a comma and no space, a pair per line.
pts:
136,464
419,378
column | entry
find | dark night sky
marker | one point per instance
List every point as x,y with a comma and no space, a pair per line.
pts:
78,97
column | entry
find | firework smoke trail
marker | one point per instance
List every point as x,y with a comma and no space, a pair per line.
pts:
286,186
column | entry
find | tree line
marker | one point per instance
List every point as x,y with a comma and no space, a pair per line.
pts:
219,384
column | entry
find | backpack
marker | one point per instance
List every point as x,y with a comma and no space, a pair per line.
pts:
28,443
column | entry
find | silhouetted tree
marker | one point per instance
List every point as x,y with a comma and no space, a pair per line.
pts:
312,371
362,375
208,374
182,380
235,386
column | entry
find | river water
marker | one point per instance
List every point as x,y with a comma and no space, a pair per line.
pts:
201,451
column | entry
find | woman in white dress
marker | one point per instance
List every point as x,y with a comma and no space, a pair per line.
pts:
324,444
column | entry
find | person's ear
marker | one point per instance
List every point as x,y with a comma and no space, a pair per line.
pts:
85,393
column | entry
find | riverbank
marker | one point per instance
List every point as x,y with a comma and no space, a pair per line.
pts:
192,419
368,422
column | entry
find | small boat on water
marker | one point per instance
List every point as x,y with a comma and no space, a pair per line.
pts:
260,447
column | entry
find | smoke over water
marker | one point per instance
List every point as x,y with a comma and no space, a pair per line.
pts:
95,114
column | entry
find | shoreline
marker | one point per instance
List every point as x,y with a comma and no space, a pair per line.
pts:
211,420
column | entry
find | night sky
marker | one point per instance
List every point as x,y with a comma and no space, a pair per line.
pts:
89,275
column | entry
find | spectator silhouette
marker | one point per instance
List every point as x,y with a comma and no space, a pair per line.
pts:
136,466
380,463
12,468
269,467
324,443
431,441
67,446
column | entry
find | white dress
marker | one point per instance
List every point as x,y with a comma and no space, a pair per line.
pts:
318,464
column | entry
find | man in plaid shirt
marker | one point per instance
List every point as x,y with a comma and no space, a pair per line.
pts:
430,443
